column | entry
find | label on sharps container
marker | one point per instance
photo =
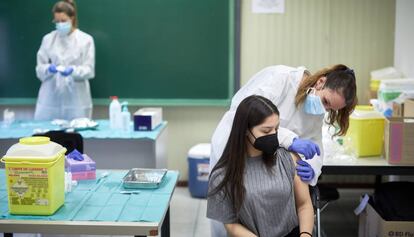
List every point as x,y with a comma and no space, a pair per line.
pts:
28,186
203,172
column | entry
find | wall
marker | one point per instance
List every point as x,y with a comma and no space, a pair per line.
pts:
404,37
319,33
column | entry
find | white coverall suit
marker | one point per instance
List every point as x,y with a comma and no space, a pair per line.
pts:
72,99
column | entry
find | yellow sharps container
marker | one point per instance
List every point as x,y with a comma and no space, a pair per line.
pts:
366,130
35,174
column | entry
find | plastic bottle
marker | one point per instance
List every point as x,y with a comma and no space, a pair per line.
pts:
125,117
8,118
68,182
114,113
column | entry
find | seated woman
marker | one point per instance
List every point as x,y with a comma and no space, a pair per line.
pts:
254,189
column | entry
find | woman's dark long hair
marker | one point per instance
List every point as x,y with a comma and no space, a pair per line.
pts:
251,112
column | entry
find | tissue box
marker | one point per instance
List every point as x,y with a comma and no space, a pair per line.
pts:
85,169
84,175
147,119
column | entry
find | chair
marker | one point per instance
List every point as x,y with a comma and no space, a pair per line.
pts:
69,140
321,196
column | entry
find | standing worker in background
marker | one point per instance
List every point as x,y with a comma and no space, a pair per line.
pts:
65,63
302,99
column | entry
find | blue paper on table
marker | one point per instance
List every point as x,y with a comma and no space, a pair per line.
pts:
101,201
26,128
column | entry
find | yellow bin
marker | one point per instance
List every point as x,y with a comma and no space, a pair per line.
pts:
366,130
35,174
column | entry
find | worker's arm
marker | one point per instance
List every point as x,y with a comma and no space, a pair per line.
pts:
317,161
86,70
42,60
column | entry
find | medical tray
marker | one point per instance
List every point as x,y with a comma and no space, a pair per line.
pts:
143,178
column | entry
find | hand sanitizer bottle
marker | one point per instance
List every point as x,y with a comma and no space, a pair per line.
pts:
126,117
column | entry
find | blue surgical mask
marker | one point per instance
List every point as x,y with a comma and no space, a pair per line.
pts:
313,104
63,28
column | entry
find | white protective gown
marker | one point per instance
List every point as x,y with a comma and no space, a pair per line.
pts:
278,84
71,99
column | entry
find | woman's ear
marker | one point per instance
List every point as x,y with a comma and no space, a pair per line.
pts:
320,83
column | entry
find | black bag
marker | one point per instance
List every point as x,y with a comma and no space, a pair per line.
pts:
69,140
394,201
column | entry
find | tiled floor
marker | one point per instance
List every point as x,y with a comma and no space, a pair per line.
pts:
338,219
188,215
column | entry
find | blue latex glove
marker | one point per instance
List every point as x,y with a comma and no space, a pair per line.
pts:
52,68
67,71
388,113
305,147
305,171
75,155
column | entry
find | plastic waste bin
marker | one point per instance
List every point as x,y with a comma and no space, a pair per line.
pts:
35,176
366,130
198,169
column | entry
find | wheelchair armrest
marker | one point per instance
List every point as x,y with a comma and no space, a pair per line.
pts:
315,196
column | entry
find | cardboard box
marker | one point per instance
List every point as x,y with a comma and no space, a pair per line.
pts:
399,140
147,119
372,224
405,109
397,109
409,108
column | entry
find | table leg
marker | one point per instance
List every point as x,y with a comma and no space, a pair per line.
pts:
165,227
378,180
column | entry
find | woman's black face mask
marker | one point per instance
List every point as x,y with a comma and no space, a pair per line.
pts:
268,144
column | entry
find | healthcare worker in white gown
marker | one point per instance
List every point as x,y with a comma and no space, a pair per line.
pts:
65,64
302,99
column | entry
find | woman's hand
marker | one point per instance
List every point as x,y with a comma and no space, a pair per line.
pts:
52,69
67,71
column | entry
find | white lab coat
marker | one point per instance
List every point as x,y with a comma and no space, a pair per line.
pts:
74,100
278,84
